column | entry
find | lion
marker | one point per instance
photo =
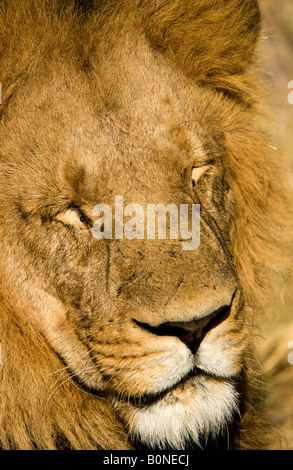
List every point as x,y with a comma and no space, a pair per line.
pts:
119,343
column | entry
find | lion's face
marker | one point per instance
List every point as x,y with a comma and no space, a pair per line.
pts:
157,331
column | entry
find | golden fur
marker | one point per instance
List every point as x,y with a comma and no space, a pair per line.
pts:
125,98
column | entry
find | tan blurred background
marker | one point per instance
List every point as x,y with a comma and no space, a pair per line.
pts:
274,345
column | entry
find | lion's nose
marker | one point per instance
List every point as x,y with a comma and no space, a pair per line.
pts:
191,332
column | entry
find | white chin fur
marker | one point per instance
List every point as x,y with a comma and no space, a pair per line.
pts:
203,407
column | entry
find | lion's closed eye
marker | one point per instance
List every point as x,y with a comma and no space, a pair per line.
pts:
198,172
75,217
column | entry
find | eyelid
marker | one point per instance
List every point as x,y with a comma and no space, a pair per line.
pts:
79,211
74,216
198,172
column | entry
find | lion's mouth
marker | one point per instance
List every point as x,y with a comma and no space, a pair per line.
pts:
152,398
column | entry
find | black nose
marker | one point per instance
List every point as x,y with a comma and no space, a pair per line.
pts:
191,332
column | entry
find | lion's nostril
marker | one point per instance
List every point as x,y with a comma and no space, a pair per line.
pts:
191,333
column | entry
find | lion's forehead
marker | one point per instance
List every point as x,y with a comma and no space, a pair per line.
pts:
128,110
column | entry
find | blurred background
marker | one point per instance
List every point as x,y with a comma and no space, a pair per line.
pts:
274,345
278,31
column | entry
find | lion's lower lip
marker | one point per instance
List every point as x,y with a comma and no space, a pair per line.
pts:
151,399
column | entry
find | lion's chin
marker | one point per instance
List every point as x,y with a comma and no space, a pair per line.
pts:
200,408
